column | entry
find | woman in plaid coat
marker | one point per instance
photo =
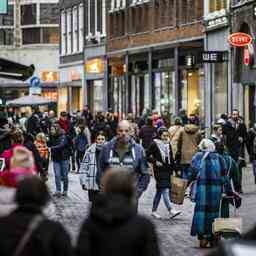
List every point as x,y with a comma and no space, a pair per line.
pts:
209,169
90,165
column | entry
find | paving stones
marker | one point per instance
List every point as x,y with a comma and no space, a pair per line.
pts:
174,235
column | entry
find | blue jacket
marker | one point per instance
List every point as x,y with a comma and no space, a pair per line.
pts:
134,160
81,142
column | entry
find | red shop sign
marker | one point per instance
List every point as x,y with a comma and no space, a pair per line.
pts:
240,39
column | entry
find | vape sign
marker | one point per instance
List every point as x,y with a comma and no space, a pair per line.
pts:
240,39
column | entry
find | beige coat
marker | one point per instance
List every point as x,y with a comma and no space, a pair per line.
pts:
175,131
188,141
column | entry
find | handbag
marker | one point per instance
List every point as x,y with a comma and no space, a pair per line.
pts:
31,228
233,224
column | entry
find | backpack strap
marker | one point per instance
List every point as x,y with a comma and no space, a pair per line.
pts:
33,225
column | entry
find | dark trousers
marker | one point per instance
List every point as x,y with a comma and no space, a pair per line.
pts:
79,158
92,194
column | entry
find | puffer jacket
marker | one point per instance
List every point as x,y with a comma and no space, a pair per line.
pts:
188,141
113,228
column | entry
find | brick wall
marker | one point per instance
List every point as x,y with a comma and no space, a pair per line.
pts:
155,22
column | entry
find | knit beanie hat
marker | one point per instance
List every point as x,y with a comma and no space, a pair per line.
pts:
22,157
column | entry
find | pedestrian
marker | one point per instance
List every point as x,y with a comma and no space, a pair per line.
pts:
27,231
80,143
188,140
33,123
90,167
16,139
208,169
113,228
174,132
21,163
251,146
217,138
5,132
160,155
134,131
58,146
29,140
122,150
147,133
41,145
236,138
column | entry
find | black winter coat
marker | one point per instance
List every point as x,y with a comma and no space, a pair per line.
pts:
49,238
113,228
59,147
162,173
235,148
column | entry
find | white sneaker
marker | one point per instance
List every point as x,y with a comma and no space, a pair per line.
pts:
174,213
155,215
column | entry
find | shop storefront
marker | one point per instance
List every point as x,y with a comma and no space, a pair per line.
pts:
153,82
70,96
244,60
217,64
95,84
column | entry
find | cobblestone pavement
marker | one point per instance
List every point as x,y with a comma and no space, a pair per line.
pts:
174,235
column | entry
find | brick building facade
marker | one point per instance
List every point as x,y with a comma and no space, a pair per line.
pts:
154,56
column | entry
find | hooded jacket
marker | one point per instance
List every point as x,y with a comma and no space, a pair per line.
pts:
188,141
113,228
134,160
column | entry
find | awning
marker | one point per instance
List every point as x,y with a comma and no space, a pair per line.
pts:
14,70
31,100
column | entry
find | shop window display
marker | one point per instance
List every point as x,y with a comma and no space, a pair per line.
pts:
220,89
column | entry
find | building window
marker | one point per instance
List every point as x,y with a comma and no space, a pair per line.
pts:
46,35
28,14
69,32
31,35
49,14
81,28
8,19
6,36
63,32
75,29
216,5
50,35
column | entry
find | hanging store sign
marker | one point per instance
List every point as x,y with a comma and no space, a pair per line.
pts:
50,76
240,39
214,56
248,58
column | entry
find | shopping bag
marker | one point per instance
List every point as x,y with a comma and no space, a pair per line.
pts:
227,225
178,189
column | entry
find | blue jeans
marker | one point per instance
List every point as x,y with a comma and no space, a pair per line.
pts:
61,169
166,196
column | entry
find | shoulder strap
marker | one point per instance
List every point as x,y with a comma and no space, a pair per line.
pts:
31,228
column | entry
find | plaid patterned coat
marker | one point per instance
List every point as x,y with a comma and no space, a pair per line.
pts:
88,169
210,174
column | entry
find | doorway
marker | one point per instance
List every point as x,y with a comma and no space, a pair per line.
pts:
249,105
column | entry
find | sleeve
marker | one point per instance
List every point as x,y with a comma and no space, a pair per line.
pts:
62,143
84,242
103,164
195,167
144,177
88,136
84,168
151,243
150,153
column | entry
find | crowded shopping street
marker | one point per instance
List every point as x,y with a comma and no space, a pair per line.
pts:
127,127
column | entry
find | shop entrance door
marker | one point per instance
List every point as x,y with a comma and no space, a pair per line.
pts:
249,105
193,93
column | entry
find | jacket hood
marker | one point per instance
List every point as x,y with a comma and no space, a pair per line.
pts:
191,128
112,209
113,142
